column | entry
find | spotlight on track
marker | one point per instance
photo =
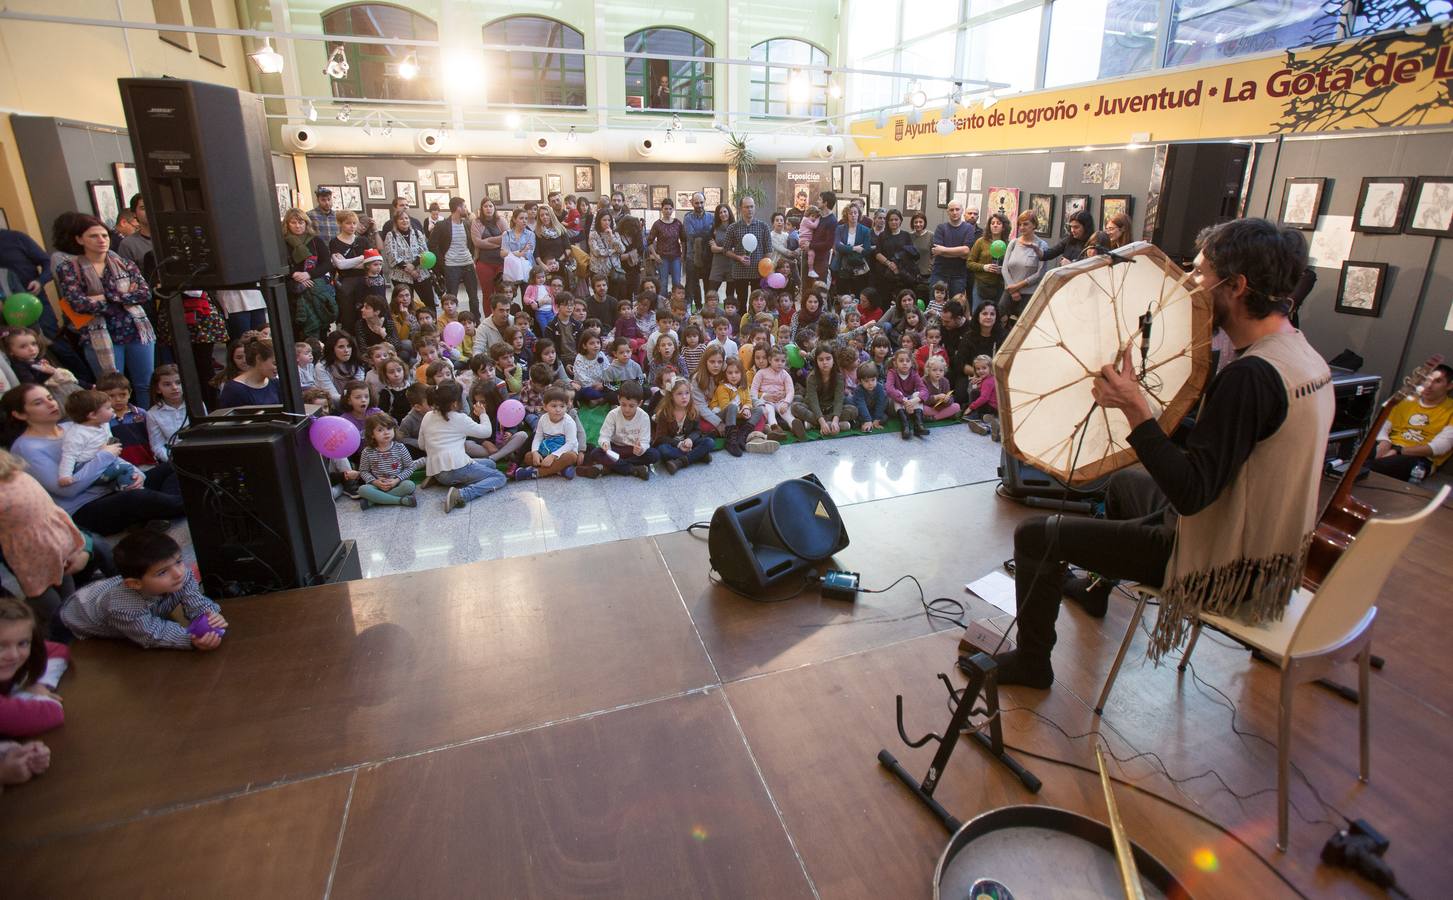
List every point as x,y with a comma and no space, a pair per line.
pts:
267,60
409,68
345,113
311,112
916,96
337,67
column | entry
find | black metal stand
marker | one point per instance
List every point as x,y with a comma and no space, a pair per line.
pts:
982,680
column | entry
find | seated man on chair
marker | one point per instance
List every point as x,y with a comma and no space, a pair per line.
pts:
1419,431
1244,487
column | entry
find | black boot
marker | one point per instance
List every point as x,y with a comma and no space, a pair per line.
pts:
906,424
1091,592
736,438
920,428
1018,667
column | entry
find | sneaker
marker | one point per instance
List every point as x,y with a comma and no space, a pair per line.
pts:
763,446
525,473
672,466
775,432
978,426
410,500
453,500
569,473
756,436
734,448
363,504
642,472
511,470
589,470
351,489
995,434
705,459
799,430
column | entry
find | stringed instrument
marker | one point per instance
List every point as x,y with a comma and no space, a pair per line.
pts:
1344,515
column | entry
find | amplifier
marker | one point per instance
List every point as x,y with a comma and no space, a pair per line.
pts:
1356,398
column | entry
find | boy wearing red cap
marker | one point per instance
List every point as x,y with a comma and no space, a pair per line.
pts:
374,282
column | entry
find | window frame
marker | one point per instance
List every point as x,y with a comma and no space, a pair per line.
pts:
539,87
815,106
703,72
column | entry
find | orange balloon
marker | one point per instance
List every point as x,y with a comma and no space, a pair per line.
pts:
765,267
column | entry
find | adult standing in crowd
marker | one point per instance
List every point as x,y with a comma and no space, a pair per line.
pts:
665,242
634,257
744,274
110,290
325,222
893,254
403,247
824,238
485,233
698,224
401,205
721,263
605,253
851,252
345,250
1022,268
315,305
453,250
141,250
517,247
988,271
552,244
952,242
1076,242
922,242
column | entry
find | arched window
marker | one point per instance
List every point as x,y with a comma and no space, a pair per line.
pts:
688,83
783,92
373,69
535,79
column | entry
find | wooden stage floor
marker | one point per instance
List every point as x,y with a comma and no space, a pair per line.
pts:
603,721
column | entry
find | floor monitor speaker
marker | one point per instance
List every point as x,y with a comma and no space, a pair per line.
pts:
760,540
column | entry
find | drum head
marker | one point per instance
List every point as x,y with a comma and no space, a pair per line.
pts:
1043,853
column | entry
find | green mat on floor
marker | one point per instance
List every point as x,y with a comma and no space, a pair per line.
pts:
592,417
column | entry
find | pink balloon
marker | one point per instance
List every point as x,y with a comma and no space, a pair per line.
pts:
334,437
776,281
511,413
453,334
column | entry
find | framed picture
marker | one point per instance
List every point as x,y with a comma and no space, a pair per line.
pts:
1359,293
660,193
350,174
127,184
439,197
103,201
552,184
446,179
713,197
1301,202
524,190
1432,207
426,178
974,201
350,196
1005,201
284,198
1092,173
408,190
1075,203
379,214
584,178
376,190
943,193
494,192
961,181
683,199
875,195
892,196
837,179
1112,205
855,179
914,196
1112,176
638,195
1382,204
1042,205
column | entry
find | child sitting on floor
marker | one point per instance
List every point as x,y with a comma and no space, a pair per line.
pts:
941,403
129,426
554,449
622,368
908,393
692,348
772,388
732,401
590,366
677,431
30,671
507,366
982,414
870,398
385,465
393,379
88,434
625,435
136,604
408,428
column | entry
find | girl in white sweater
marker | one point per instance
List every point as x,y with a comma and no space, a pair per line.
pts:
442,435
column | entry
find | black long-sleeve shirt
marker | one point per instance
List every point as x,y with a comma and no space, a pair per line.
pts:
1244,404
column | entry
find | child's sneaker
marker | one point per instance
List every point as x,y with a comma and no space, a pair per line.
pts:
993,421
363,504
811,274
672,466
453,500
978,426
410,500
642,472
525,473
763,446
589,470
756,436
569,473
799,430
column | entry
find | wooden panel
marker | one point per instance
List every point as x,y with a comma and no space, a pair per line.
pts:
889,538
273,843
308,681
655,801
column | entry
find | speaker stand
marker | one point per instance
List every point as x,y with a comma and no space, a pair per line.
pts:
982,680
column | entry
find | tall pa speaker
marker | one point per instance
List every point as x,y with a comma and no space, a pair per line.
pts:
1201,187
206,176
762,539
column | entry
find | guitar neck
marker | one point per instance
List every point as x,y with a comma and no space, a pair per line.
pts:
1344,488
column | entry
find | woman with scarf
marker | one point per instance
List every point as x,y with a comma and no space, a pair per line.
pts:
853,249
315,306
403,245
893,255
341,363
552,243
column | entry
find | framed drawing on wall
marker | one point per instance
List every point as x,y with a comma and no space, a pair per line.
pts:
525,190
408,190
103,201
439,197
1112,205
376,189
552,184
892,196
713,197
683,199
1381,205
494,192
914,196
660,193
1301,202
855,179
943,193
284,198
637,194
1042,205
1075,203
379,215
127,184
875,195
426,178
1432,207
350,196
446,179
1359,293
584,178
1005,202
350,174
837,179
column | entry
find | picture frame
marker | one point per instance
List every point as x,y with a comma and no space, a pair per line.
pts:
525,190
1360,289
892,197
350,196
683,199
875,195
1042,205
552,184
975,201
350,174
837,179
1111,204
284,195
104,202
1071,204
713,197
637,193
585,178
379,214
961,180
1381,205
659,194
944,189
408,190
915,198
446,179
426,178
494,192
439,197
128,185
377,190
1432,207
1301,202
1006,201
855,179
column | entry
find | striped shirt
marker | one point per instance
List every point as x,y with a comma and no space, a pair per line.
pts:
110,609
395,462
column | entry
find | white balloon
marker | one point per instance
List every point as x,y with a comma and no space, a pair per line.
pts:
749,242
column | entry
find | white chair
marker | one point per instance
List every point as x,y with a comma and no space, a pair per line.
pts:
1319,632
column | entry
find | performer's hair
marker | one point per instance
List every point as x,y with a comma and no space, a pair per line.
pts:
1270,258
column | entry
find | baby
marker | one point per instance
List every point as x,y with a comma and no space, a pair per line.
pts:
804,237
90,433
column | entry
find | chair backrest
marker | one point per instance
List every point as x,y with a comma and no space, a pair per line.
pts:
1351,588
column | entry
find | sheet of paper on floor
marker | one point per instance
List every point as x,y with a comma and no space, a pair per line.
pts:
997,589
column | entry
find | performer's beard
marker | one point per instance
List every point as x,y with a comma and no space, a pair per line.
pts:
1220,305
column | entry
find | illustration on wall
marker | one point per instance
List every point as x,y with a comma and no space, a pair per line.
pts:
1042,205
1359,293
376,190
1381,205
1004,201
1075,203
1301,202
1432,207
913,197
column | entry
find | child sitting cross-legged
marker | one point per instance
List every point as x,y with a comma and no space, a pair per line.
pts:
590,365
554,450
941,403
625,435
773,389
623,369
417,396
870,398
385,465
137,604
677,431
982,414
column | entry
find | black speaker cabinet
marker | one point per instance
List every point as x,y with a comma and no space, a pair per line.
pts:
206,175
757,541
1201,187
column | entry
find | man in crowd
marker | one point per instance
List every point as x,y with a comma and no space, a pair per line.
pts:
697,225
824,236
952,241
449,241
492,328
400,203
1418,434
322,215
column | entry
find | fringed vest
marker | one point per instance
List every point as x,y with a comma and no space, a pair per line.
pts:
1242,556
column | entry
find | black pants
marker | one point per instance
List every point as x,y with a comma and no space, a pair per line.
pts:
1133,542
453,276
1399,466
695,287
161,498
741,289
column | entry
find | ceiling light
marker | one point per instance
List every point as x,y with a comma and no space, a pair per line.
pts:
570,136
513,120
345,113
945,125
337,68
311,112
797,87
916,96
834,88
267,60
409,68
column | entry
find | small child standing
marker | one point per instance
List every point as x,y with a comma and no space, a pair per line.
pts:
982,414
772,388
625,435
136,604
88,434
908,393
385,466
809,222
941,403
870,398
129,426
553,450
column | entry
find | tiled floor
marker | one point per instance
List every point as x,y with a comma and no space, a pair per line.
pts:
554,514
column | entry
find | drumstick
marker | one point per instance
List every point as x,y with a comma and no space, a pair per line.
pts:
1129,877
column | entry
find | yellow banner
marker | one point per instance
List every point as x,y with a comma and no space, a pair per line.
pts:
1396,79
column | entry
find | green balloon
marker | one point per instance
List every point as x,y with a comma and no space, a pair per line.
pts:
427,259
794,356
22,310
997,249
922,304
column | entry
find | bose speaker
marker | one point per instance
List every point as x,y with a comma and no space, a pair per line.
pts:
760,540
1201,187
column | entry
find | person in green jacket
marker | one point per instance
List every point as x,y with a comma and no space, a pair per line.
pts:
822,400
988,281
